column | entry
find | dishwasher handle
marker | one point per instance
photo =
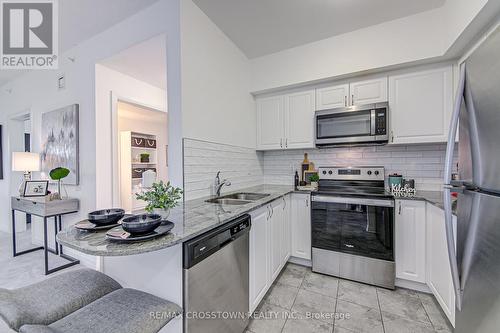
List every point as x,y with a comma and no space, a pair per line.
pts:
203,246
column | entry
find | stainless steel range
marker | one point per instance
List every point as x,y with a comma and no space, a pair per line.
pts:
353,225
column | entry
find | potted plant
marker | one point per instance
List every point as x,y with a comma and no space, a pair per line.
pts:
160,198
144,158
314,179
59,174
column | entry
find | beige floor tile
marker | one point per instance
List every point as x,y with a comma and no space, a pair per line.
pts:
358,293
397,324
292,275
282,295
306,325
315,305
436,315
403,305
358,318
269,319
321,284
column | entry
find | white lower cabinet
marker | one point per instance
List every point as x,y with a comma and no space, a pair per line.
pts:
421,250
276,231
259,256
410,240
438,268
301,225
269,247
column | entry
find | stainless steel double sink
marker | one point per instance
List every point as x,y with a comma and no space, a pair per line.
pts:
241,198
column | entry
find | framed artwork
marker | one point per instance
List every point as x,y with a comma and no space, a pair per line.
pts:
35,188
60,142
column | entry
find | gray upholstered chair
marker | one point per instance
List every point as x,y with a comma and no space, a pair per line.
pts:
54,298
122,311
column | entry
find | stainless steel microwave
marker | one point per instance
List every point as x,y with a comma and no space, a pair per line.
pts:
361,124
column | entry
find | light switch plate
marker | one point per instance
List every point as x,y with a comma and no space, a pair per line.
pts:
61,82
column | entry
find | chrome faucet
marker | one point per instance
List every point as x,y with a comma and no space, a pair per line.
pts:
218,184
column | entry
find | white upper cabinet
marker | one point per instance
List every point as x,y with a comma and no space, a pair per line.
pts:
332,97
368,91
301,226
270,127
299,120
420,105
410,240
286,121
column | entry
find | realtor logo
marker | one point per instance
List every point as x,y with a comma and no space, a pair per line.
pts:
29,34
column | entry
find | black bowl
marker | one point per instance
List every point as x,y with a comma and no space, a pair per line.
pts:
141,224
106,216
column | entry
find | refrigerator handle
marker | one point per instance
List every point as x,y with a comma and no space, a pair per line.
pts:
450,148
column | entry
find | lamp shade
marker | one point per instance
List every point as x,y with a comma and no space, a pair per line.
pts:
22,161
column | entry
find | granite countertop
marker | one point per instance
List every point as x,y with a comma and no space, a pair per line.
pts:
191,218
433,197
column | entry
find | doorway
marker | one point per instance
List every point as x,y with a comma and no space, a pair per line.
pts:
142,151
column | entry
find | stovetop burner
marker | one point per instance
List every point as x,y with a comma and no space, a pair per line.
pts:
352,181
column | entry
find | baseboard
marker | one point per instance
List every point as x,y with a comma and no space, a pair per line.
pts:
422,287
300,261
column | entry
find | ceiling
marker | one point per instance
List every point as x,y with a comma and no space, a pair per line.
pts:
136,112
261,27
145,61
80,20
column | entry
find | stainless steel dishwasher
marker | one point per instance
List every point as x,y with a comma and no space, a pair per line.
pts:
216,279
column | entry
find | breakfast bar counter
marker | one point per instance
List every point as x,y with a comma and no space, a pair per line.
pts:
190,218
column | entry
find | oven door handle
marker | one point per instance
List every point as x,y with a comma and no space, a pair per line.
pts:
354,201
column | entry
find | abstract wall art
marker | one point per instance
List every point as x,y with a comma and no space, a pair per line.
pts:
60,142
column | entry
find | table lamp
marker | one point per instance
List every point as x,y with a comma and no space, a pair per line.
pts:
27,163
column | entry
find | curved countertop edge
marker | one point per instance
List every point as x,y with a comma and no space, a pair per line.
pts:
435,198
191,218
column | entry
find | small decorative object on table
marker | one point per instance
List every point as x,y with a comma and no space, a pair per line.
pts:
314,179
35,188
160,198
144,158
403,191
59,174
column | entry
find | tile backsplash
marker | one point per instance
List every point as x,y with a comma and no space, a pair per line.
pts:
244,167
424,163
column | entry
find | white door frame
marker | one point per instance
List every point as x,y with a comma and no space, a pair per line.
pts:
115,160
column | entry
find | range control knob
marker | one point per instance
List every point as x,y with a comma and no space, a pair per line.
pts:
376,173
330,172
324,172
369,172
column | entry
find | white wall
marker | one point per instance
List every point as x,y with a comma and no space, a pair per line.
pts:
107,82
216,103
423,36
37,91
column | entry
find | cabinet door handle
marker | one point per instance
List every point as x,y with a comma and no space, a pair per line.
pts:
345,100
307,203
399,211
281,142
284,203
392,136
286,143
352,99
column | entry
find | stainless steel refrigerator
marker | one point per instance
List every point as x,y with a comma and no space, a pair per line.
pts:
475,262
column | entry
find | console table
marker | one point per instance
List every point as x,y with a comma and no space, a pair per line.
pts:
40,206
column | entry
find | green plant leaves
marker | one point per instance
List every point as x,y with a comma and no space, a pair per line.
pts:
160,196
59,173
